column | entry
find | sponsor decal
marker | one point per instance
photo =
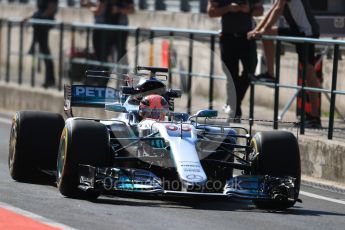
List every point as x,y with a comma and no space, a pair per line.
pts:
194,177
93,95
186,128
191,168
175,130
171,127
87,91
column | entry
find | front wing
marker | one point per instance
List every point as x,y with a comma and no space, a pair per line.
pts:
109,180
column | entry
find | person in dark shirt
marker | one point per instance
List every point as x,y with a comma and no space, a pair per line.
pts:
301,23
112,12
236,22
46,10
99,36
117,14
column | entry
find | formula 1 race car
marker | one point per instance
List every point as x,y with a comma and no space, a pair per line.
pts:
151,149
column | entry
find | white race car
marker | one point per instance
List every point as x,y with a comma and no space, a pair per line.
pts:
182,154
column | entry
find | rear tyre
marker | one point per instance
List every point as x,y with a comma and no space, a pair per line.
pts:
278,155
82,142
34,142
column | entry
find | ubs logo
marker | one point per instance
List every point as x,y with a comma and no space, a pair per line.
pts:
195,177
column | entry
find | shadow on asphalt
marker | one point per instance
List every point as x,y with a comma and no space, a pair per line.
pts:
178,203
207,204
300,211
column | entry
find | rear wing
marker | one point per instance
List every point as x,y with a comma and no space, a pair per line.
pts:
88,96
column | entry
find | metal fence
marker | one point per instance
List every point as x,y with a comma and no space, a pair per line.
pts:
303,89
169,5
139,34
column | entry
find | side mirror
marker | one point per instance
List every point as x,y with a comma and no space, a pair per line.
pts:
206,113
180,116
115,107
174,93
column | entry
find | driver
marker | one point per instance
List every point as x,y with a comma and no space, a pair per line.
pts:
153,107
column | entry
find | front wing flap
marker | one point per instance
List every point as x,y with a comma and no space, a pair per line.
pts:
110,180
261,187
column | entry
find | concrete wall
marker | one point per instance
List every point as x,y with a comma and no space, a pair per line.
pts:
323,159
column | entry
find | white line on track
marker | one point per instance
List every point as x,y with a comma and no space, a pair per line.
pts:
35,217
6,121
312,195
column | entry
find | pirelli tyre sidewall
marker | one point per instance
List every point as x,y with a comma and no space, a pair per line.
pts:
277,155
82,142
33,145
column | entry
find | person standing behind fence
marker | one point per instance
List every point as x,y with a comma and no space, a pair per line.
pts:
301,23
117,14
46,9
236,22
112,12
99,36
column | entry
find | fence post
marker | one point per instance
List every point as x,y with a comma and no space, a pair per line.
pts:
88,32
210,92
34,60
61,55
276,87
152,49
142,4
334,87
171,34
136,58
20,60
71,56
0,48
303,95
251,104
185,6
8,55
190,69
160,5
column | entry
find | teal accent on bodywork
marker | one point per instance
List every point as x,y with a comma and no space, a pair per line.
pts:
207,113
246,185
134,180
115,107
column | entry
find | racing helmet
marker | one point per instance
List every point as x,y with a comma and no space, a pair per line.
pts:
153,107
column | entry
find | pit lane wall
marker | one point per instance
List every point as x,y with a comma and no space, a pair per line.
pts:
321,159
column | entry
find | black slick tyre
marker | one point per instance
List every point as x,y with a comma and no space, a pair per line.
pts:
34,142
82,142
278,155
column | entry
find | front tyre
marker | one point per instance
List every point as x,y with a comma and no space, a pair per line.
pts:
278,155
34,142
82,142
